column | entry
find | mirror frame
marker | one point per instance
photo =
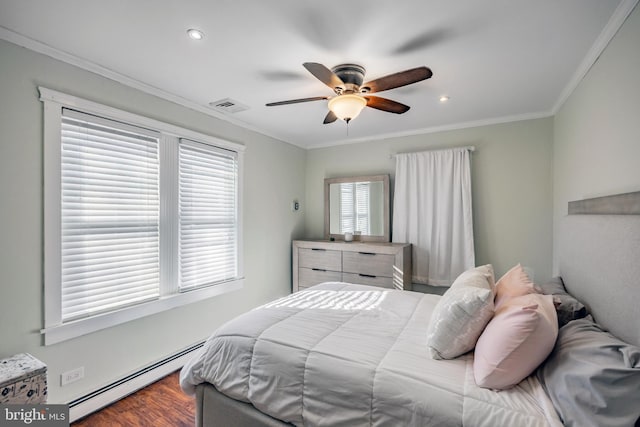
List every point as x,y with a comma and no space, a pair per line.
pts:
327,209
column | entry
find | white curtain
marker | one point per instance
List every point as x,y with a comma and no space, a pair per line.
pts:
432,210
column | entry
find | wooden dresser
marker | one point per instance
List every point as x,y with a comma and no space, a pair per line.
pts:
387,265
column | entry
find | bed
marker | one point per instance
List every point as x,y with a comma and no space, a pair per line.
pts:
342,354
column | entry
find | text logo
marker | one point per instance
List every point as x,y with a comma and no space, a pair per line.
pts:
34,415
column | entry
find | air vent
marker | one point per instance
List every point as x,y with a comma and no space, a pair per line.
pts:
228,105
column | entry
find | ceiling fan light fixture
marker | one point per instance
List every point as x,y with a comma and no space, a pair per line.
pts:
347,107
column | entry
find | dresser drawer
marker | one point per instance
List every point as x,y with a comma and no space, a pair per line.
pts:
365,279
308,277
368,263
322,259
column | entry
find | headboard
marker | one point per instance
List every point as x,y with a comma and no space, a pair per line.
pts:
599,261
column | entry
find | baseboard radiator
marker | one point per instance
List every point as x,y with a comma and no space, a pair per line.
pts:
117,390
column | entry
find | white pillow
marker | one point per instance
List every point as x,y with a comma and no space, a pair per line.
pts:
461,314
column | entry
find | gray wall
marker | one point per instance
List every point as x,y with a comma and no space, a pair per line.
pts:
597,131
274,176
511,186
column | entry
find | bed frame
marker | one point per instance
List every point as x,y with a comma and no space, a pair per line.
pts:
599,261
214,409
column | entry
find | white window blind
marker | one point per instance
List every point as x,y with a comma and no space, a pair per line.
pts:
362,207
110,215
354,207
208,215
347,217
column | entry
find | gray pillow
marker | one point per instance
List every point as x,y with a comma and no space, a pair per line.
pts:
592,377
567,307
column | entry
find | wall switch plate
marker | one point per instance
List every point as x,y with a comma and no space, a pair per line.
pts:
72,376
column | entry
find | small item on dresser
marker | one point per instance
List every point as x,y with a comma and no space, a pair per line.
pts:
23,379
348,236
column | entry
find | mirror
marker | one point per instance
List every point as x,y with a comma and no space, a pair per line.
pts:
358,205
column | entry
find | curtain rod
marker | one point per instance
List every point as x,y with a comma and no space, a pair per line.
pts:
468,147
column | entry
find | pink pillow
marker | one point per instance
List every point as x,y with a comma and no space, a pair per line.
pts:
514,283
516,341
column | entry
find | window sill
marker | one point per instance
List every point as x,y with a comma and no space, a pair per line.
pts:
67,331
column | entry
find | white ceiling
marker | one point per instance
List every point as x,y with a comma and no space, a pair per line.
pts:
498,60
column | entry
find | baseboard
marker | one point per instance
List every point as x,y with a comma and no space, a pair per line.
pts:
117,390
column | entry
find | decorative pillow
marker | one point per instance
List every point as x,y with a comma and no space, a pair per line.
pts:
514,283
592,377
518,339
461,314
567,307
554,286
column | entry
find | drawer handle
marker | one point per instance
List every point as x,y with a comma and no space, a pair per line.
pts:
317,249
367,275
367,253
318,269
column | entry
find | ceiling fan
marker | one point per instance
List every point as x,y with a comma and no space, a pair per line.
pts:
351,95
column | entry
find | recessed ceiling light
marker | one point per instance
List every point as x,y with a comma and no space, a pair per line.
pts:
444,98
195,34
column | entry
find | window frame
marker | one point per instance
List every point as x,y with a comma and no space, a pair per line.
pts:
54,330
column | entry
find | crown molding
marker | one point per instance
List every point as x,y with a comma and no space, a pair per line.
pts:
436,129
618,18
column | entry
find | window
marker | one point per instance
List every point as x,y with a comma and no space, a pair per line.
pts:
140,216
110,216
207,215
354,207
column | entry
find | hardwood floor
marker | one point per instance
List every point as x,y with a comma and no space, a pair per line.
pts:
161,404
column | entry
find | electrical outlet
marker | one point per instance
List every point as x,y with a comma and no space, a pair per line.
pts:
72,376
295,206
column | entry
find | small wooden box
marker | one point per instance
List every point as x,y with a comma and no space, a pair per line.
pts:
23,379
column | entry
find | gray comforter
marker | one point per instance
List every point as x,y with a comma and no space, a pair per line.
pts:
349,355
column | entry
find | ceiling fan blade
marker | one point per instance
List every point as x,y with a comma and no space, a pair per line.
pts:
395,80
387,105
422,41
323,74
296,101
330,118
